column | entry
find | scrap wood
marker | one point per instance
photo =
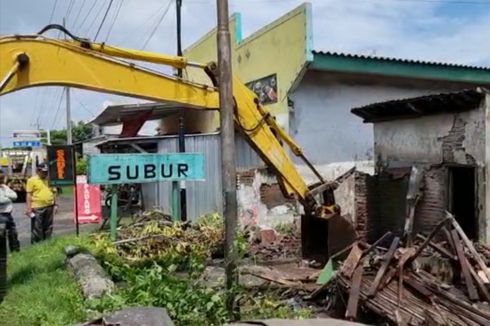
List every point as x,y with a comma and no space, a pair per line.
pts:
438,248
479,282
269,275
428,239
469,245
350,263
355,289
384,266
473,294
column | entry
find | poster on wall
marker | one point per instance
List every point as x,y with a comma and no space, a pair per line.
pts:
265,88
88,201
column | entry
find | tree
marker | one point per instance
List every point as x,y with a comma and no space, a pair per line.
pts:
81,131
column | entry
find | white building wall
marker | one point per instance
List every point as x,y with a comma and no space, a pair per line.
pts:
421,140
321,121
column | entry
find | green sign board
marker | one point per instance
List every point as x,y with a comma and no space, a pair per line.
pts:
140,168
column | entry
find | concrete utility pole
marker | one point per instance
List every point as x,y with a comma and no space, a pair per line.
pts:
228,165
68,107
182,197
69,140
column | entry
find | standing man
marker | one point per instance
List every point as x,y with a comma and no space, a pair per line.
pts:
7,196
40,205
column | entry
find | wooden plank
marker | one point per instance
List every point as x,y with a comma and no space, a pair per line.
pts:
377,242
470,246
384,266
355,291
479,282
350,264
438,248
429,238
472,292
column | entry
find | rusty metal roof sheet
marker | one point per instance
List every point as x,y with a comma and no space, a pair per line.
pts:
411,108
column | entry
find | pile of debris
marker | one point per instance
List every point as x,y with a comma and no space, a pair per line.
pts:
400,284
270,245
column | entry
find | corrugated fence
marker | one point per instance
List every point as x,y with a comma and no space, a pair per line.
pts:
202,196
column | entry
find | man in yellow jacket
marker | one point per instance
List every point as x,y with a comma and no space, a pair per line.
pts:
41,205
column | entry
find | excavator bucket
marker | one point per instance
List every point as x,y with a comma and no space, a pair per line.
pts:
325,231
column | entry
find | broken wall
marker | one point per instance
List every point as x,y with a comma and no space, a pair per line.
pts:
435,143
261,202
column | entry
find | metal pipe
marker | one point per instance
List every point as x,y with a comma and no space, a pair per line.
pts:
228,164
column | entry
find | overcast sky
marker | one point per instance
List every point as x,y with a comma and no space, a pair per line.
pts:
438,30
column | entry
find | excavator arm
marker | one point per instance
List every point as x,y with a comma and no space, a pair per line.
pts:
31,61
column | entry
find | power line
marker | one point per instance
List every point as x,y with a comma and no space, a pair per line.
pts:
57,110
68,11
157,25
78,15
114,20
103,19
89,11
85,107
52,11
94,19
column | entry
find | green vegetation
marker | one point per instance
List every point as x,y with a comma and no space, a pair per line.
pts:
151,273
42,291
80,131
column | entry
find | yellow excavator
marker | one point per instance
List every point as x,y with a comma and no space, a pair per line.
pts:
35,60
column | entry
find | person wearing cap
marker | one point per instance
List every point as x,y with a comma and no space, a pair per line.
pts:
41,205
7,196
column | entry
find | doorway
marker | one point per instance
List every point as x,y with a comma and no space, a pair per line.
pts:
462,198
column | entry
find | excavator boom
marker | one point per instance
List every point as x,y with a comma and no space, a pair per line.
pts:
31,61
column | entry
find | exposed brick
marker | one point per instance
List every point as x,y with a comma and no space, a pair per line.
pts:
268,235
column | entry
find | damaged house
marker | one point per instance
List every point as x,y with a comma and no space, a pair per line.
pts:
444,135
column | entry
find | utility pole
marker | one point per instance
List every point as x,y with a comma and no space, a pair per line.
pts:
228,165
183,198
68,110
69,140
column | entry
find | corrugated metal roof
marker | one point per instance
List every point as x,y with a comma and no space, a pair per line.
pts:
116,114
410,108
398,60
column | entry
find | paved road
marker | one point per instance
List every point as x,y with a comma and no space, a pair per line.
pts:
63,220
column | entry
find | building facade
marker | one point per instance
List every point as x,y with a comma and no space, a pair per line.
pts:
312,94
447,137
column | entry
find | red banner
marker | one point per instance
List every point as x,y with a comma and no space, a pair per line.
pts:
88,201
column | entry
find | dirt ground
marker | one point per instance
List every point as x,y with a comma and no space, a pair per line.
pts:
63,220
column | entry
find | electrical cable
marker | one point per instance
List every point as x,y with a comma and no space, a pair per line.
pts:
57,110
68,11
87,15
79,12
114,20
157,25
52,11
103,19
95,18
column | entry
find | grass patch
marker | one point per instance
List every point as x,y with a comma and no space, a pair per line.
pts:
41,291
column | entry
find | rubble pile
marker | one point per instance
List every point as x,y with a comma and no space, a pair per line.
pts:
282,246
441,279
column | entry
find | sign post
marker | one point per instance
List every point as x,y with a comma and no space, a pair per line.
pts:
114,169
113,218
62,171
